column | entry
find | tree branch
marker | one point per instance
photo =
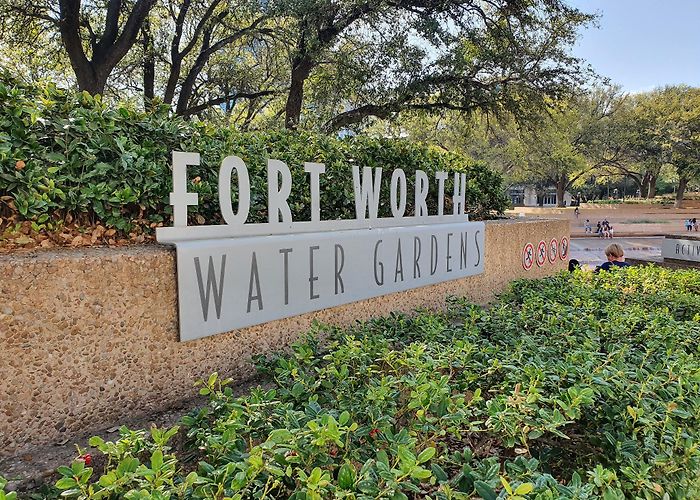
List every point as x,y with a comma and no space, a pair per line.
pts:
230,97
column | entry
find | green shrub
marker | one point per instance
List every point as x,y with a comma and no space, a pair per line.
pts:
111,164
578,386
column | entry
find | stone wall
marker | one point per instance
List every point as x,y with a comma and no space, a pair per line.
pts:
88,337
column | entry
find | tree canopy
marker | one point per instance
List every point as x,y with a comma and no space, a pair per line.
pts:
598,135
319,64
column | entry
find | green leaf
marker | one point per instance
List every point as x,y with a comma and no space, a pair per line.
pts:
346,476
65,471
66,483
439,473
506,485
420,473
157,460
407,458
426,455
280,436
484,490
383,458
524,488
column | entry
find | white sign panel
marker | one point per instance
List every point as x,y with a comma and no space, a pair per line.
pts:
681,249
232,283
238,274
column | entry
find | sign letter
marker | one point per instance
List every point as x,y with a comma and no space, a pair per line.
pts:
212,285
312,277
378,278
339,264
366,191
286,252
180,199
277,194
227,166
398,183
459,194
315,170
441,177
421,193
254,281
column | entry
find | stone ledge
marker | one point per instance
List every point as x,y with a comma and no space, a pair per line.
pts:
90,336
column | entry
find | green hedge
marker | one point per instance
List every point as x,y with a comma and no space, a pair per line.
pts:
578,386
111,164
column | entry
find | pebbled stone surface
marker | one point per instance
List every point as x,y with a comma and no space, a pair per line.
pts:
90,337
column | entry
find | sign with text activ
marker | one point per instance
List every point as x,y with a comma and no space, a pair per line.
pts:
681,248
237,274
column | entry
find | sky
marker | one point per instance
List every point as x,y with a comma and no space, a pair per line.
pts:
643,44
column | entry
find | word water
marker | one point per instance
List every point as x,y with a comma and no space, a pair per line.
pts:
239,282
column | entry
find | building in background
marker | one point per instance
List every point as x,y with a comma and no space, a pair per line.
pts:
529,195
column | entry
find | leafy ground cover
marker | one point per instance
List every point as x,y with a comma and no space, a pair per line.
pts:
75,170
578,386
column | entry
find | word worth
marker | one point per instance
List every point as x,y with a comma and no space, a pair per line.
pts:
236,274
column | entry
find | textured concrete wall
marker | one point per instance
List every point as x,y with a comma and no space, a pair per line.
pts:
88,337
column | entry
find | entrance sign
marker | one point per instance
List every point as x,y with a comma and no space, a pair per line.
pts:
232,283
236,275
686,248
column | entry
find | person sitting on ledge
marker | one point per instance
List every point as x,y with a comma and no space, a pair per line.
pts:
616,258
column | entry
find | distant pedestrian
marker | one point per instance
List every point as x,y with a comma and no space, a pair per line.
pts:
688,225
696,225
599,229
616,258
577,212
587,226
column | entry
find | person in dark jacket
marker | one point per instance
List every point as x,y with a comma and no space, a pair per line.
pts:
574,264
616,258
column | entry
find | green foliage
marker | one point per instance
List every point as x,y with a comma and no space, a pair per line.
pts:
6,495
578,386
112,164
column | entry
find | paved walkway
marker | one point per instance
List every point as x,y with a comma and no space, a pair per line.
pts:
627,219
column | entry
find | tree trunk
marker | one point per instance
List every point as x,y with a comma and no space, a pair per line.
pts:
90,80
108,50
149,65
183,99
644,186
172,81
652,186
682,184
561,190
301,69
